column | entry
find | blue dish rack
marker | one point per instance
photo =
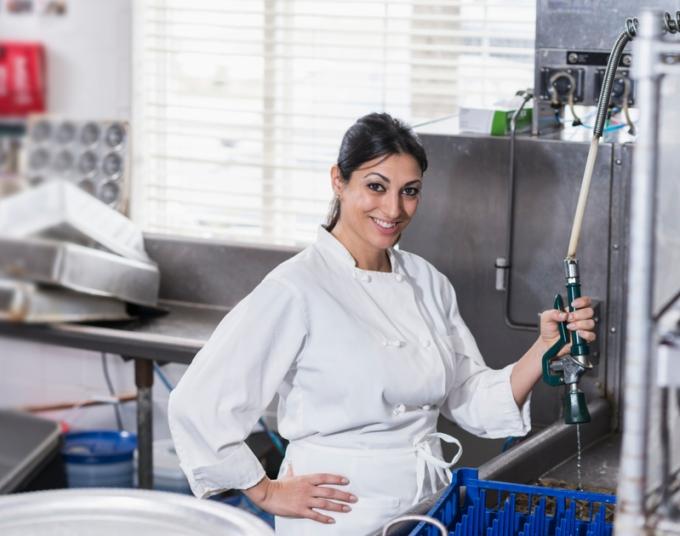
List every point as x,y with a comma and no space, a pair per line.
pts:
473,507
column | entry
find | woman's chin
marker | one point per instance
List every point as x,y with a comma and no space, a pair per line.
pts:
385,242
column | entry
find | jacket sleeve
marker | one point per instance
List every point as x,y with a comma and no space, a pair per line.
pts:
230,382
480,399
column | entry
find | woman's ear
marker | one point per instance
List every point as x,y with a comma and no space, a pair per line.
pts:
337,183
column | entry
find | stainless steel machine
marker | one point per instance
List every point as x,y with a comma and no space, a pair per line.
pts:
573,42
465,230
649,482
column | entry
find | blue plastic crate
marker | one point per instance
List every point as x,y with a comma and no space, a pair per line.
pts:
488,508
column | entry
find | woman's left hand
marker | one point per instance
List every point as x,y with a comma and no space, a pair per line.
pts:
580,321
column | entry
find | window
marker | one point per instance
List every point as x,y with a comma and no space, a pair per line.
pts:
240,105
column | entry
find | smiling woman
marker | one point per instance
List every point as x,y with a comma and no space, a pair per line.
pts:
366,347
377,183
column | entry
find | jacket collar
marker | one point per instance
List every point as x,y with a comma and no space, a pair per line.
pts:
327,243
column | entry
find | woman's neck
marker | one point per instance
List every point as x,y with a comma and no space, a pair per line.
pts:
366,257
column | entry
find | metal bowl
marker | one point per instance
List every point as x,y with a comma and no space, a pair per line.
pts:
112,512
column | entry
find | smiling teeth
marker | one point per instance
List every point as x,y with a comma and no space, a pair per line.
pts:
384,224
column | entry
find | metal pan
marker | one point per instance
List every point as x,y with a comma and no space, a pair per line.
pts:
58,209
29,303
79,268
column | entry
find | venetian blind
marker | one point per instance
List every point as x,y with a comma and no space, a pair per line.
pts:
240,105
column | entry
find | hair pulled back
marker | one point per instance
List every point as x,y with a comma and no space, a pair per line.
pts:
372,136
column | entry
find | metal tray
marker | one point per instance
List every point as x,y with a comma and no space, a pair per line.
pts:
26,444
111,512
58,209
91,154
79,268
29,303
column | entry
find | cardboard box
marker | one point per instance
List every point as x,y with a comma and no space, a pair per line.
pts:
495,120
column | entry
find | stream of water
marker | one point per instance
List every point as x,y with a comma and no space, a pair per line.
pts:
578,457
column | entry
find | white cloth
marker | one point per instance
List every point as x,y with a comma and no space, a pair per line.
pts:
360,360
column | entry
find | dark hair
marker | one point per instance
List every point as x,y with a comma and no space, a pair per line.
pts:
372,136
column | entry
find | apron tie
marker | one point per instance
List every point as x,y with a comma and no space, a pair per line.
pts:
436,467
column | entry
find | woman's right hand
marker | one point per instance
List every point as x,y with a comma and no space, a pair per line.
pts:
302,496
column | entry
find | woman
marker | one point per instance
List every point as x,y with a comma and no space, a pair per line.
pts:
365,346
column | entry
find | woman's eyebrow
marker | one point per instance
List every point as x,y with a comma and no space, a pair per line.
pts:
378,174
388,180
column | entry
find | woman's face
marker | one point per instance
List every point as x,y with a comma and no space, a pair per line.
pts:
379,200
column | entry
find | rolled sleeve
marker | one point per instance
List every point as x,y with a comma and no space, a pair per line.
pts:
483,404
229,384
510,420
239,469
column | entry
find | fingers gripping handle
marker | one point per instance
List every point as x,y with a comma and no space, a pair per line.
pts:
579,346
548,377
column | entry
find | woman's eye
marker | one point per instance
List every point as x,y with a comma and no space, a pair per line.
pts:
411,191
376,187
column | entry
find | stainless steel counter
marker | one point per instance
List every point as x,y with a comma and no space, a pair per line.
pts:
175,337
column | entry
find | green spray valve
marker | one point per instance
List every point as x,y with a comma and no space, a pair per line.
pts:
568,369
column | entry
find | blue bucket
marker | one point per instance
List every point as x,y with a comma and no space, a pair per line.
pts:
99,458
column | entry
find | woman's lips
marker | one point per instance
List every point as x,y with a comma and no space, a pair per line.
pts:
385,230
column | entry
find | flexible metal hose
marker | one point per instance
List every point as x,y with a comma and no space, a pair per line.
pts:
609,74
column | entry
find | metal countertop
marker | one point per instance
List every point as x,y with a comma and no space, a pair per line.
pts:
174,337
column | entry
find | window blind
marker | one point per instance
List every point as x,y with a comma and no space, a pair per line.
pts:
240,105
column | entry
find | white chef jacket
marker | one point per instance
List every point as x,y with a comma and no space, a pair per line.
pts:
360,360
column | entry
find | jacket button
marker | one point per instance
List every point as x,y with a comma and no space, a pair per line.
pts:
399,277
426,343
366,278
426,407
399,409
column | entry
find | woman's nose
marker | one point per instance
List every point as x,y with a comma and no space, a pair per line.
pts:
392,206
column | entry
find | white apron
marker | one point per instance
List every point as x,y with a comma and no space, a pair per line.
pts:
386,481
